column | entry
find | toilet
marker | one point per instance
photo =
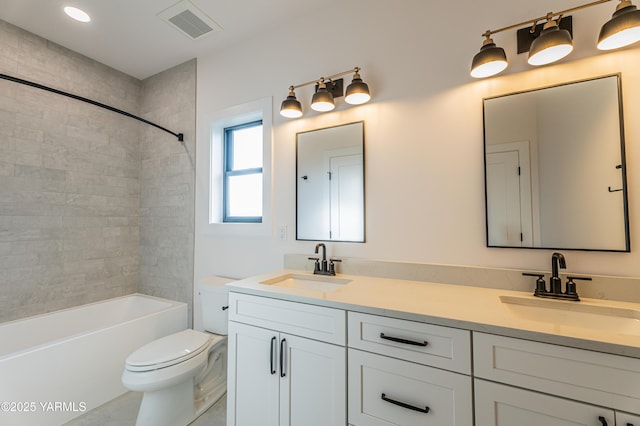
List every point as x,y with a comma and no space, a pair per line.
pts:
184,373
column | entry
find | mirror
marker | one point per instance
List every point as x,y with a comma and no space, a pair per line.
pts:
330,184
555,172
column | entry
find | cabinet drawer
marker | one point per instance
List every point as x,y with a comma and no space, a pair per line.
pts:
624,419
447,395
315,322
498,404
594,377
441,347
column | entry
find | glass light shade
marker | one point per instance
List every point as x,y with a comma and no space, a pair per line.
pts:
291,107
77,14
357,92
490,60
622,29
552,45
322,100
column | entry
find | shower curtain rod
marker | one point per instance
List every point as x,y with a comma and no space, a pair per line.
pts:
180,136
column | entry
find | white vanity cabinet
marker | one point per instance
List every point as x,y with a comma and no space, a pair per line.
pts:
407,373
625,419
498,404
540,383
276,376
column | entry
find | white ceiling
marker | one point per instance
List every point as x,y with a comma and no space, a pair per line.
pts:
128,36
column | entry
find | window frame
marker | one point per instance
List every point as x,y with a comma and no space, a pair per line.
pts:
209,163
228,171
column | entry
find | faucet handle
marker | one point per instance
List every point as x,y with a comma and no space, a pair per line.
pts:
571,285
579,278
541,286
332,266
316,267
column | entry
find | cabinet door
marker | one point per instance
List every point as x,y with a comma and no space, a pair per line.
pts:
313,389
385,391
498,404
624,419
253,379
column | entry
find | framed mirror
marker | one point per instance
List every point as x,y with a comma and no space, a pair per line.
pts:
555,170
330,184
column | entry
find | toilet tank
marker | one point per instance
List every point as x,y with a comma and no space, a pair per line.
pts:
214,297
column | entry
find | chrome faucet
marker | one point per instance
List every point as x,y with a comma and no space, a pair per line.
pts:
324,266
555,282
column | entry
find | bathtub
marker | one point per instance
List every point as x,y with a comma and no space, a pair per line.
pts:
57,366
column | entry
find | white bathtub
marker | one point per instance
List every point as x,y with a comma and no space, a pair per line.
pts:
56,366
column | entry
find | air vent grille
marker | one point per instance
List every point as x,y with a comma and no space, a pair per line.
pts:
188,22
191,21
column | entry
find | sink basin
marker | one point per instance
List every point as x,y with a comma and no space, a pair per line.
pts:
308,282
561,313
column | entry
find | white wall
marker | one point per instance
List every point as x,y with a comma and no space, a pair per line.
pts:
423,128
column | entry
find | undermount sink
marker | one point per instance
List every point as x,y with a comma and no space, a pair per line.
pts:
308,282
584,315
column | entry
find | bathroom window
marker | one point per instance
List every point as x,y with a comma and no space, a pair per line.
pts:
243,159
241,206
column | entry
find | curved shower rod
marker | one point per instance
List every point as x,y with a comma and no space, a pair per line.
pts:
180,136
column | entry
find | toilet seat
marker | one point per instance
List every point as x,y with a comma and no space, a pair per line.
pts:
169,350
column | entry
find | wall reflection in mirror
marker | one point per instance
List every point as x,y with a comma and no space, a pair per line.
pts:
330,184
555,171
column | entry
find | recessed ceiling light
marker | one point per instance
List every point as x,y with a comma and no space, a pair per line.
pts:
77,14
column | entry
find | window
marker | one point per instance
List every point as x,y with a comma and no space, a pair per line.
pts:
243,160
211,203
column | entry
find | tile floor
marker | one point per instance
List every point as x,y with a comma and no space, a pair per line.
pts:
123,410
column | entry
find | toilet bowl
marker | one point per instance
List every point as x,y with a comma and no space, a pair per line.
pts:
184,373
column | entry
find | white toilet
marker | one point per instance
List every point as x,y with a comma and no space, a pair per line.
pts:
184,373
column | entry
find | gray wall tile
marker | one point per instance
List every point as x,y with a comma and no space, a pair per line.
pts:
93,205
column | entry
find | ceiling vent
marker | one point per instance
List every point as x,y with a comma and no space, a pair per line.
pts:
188,19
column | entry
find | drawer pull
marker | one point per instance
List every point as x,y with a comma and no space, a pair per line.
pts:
603,421
404,404
405,341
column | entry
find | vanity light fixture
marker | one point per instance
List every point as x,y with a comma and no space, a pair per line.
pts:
291,107
327,89
77,14
551,45
555,42
490,60
322,100
357,91
622,29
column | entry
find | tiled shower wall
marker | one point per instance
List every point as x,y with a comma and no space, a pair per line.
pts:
78,184
167,176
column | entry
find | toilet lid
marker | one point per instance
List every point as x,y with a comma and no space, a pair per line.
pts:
168,350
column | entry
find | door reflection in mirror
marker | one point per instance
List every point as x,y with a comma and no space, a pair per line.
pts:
330,184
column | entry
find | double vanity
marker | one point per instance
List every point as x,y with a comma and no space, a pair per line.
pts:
359,350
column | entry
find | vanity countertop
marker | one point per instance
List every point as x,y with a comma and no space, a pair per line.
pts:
472,308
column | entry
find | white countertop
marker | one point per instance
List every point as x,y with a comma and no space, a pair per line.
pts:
472,308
